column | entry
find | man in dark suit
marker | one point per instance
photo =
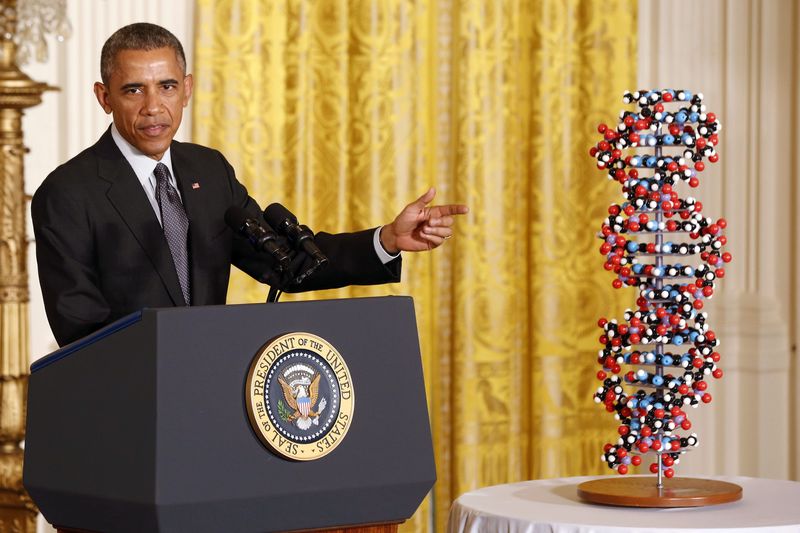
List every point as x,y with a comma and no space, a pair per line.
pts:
137,220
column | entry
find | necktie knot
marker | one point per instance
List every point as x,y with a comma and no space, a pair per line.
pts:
161,170
161,173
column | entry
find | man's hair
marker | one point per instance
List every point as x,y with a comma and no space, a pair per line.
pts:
138,36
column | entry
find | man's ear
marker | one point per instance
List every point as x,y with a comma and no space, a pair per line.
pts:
101,93
188,83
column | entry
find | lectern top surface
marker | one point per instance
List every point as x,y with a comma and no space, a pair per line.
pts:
80,344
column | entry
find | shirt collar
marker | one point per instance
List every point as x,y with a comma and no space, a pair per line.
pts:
142,165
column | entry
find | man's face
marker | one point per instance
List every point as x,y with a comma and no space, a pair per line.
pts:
146,94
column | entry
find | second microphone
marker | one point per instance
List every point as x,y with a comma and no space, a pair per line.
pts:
301,237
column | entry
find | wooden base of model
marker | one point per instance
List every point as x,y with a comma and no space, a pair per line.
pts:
642,491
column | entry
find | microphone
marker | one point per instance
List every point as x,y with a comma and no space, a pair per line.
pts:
300,236
262,238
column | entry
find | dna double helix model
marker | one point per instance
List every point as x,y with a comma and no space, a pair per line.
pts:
656,363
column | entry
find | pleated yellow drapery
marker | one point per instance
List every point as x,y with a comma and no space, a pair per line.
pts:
347,110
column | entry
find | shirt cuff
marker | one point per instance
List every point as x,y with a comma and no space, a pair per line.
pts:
383,255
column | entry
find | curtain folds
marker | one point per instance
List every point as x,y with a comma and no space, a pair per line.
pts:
344,111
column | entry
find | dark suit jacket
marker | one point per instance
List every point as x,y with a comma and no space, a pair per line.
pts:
102,253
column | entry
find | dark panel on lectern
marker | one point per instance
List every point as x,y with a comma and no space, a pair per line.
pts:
146,429
97,412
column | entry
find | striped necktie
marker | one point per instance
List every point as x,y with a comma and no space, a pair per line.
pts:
176,227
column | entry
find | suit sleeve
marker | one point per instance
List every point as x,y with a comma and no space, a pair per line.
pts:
351,256
351,261
74,304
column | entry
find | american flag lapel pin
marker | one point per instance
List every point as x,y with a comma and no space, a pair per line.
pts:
195,185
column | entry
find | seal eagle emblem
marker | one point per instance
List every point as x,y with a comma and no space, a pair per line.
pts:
299,396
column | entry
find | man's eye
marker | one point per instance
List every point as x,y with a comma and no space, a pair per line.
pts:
133,90
169,87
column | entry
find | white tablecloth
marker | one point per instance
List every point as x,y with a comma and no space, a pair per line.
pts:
553,506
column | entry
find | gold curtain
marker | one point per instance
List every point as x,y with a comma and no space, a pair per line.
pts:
346,110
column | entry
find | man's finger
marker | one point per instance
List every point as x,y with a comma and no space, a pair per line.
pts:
435,240
442,232
439,211
441,221
425,199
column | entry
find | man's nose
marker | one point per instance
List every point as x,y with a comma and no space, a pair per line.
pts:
152,103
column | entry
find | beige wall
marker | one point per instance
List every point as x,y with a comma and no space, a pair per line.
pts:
744,55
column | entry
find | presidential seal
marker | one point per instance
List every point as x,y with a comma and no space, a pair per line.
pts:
300,396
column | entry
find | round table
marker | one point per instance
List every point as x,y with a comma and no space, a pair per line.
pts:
553,506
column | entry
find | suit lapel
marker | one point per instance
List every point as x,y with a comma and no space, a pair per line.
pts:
130,201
